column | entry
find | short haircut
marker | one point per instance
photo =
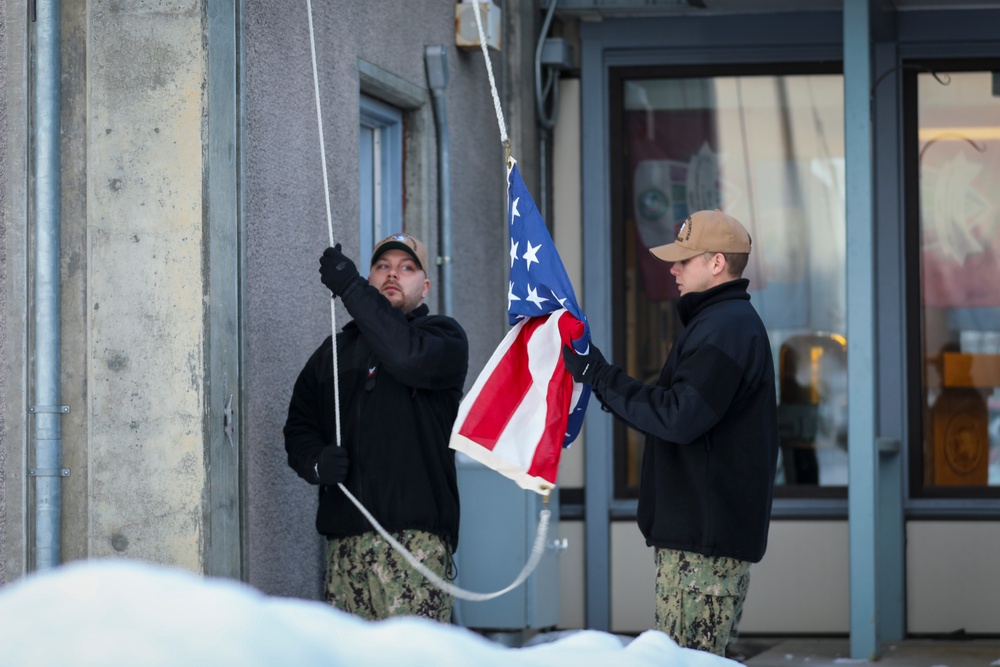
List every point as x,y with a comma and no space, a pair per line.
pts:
737,262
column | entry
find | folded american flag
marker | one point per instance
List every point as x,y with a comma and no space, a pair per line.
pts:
524,406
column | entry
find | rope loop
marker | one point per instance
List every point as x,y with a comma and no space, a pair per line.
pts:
537,551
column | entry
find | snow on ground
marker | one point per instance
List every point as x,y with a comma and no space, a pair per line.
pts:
118,613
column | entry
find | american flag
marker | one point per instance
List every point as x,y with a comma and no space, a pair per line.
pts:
524,407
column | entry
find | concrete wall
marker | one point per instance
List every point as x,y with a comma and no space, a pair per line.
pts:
286,309
13,209
137,266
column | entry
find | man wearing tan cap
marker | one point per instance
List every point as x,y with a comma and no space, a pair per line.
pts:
401,373
711,435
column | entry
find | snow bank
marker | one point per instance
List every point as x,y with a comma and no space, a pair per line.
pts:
118,613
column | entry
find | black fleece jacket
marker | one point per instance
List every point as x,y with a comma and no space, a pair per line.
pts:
401,380
711,429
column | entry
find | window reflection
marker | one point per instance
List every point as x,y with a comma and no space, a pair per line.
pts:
959,167
768,150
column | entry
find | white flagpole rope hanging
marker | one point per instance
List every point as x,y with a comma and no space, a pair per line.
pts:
329,215
493,84
538,548
536,555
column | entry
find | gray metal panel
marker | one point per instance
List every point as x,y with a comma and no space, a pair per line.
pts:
497,533
963,27
223,543
612,8
700,39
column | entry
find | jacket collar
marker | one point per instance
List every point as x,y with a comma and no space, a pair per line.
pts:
694,302
420,311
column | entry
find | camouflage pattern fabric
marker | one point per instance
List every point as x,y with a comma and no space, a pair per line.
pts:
368,578
734,631
699,599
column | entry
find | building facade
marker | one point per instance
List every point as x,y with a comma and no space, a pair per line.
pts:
856,140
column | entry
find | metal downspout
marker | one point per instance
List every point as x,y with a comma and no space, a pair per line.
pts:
47,409
546,119
437,79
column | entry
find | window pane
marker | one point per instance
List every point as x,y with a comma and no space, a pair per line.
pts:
959,167
381,172
769,151
369,232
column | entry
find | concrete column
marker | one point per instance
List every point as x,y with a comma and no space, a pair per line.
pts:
13,274
154,385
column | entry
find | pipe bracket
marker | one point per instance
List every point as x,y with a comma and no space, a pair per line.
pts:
57,409
48,472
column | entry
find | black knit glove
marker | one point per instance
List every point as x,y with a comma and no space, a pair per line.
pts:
332,465
584,367
337,270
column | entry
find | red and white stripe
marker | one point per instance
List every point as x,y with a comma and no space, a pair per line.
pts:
513,420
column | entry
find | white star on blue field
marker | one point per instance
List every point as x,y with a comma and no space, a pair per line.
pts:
538,281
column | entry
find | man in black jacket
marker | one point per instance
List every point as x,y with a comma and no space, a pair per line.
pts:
401,376
711,435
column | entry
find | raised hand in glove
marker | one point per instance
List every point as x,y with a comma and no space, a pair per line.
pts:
337,270
332,465
584,367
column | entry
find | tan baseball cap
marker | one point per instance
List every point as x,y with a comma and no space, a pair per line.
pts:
403,242
705,231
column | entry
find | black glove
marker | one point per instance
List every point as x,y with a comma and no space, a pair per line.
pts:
584,367
332,465
337,270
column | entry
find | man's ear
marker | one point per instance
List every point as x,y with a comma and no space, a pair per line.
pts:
719,264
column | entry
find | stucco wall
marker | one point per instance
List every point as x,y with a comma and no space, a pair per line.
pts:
286,308
3,292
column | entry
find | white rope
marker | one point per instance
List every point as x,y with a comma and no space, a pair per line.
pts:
489,71
329,215
536,555
538,548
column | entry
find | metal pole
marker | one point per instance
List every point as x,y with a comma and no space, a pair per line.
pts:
436,61
48,411
863,454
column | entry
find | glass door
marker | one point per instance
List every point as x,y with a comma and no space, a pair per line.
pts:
957,156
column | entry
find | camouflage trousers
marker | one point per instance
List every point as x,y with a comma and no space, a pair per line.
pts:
368,578
699,599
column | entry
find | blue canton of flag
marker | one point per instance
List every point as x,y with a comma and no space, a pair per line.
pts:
539,284
538,281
